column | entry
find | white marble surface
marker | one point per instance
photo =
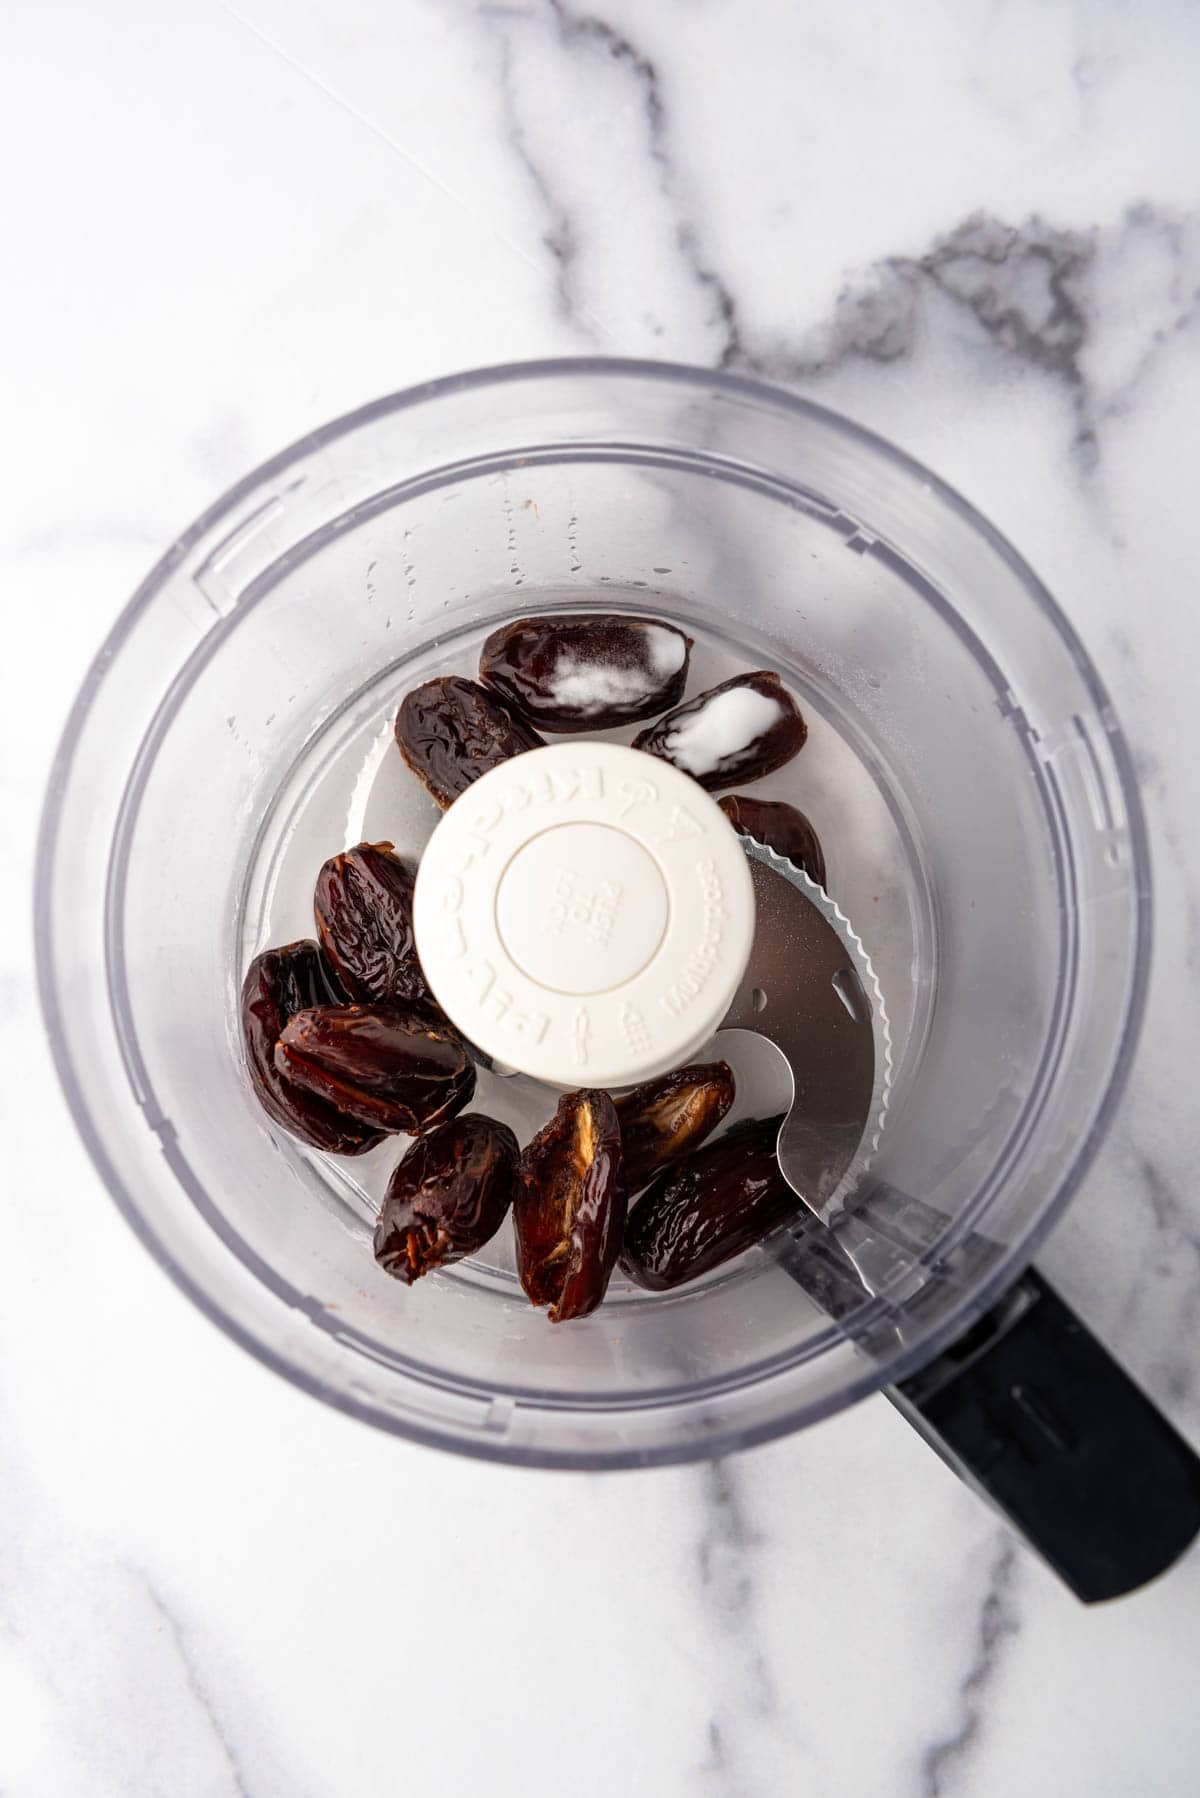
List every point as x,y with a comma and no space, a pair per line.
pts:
977,228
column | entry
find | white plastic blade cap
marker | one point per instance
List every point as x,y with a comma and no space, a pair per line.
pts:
584,913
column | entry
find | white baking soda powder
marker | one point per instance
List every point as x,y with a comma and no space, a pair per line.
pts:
588,687
725,725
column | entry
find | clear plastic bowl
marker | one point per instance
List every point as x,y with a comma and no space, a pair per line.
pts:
965,770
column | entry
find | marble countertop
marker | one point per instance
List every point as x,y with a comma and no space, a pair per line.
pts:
976,229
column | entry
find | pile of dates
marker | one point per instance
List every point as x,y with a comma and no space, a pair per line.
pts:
345,1044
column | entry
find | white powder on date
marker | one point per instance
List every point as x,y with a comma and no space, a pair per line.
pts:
725,725
667,650
587,687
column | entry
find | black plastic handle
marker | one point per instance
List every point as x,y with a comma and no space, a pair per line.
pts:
1027,1406
1034,1412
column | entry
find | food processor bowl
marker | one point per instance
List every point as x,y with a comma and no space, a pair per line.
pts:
965,772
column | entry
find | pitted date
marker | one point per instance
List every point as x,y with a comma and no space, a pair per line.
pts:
569,1210
781,827
587,673
671,1116
739,731
448,1196
450,731
721,1200
278,984
364,911
389,1066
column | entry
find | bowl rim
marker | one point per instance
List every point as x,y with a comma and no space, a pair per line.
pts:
957,1318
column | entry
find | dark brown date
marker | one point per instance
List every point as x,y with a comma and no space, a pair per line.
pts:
569,1210
741,730
450,732
363,905
278,984
447,1197
389,1066
587,673
719,1201
781,827
670,1116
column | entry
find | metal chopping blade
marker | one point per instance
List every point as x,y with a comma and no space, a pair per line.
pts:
810,990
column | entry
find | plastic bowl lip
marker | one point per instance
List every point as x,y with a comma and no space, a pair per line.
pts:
477,1444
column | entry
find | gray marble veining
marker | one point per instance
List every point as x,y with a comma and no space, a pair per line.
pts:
946,1764
978,232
